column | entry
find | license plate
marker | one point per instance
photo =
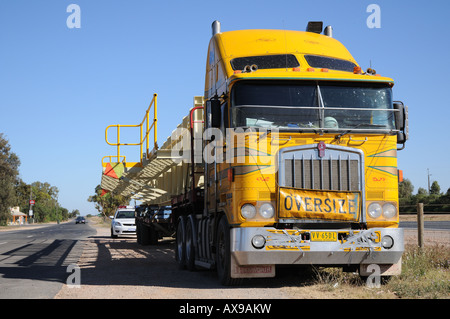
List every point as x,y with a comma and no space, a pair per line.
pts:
323,236
132,229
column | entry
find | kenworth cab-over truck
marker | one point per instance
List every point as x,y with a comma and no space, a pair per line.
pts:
289,158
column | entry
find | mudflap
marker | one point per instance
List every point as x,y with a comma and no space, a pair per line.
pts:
251,271
381,269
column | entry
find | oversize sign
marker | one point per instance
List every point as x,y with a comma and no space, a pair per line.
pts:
311,204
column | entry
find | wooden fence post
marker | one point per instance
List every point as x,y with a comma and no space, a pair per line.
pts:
420,224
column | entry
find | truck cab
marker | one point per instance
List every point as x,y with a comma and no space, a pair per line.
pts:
308,169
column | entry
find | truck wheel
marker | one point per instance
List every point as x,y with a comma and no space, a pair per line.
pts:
180,247
153,235
190,243
138,233
112,234
223,254
145,235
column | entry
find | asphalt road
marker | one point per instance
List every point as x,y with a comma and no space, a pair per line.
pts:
429,225
34,260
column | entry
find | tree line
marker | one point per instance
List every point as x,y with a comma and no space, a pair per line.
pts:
15,192
434,200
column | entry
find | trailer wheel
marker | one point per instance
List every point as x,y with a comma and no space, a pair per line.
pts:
152,235
138,232
145,235
180,247
190,243
223,254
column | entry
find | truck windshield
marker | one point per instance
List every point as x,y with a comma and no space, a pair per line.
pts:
325,106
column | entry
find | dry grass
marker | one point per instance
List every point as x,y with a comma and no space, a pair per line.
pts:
100,221
425,275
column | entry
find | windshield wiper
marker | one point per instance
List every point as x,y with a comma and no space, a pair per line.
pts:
338,137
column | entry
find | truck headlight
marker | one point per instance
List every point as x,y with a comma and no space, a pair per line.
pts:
374,210
266,210
248,211
389,211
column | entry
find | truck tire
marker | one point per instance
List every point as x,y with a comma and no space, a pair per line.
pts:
191,231
138,232
223,254
180,247
152,235
144,231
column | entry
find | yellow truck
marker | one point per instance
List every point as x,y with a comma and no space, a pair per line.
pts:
289,158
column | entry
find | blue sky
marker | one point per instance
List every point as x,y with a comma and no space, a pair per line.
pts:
61,87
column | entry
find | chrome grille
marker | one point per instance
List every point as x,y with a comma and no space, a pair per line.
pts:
338,170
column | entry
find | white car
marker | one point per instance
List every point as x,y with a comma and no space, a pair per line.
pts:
123,222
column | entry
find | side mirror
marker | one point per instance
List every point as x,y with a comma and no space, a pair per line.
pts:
111,217
401,122
213,113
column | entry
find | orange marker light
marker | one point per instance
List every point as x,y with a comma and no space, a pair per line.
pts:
357,70
400,175
310,69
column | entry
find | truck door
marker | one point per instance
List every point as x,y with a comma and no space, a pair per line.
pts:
212,152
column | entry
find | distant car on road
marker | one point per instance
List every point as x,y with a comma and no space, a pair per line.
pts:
123,222
80,220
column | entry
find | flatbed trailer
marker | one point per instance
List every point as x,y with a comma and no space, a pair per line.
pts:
153,222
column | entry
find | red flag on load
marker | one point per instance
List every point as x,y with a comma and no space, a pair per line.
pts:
115,170
104,192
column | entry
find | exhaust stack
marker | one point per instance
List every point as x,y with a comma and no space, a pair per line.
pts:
215,27
328,31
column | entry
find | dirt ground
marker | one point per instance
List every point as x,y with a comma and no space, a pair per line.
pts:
122,269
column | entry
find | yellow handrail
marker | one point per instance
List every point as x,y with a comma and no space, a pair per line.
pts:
143,138
111,159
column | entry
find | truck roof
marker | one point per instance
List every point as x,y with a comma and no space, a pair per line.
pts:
263,41
301,44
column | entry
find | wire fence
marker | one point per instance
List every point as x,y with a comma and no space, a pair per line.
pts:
430,208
